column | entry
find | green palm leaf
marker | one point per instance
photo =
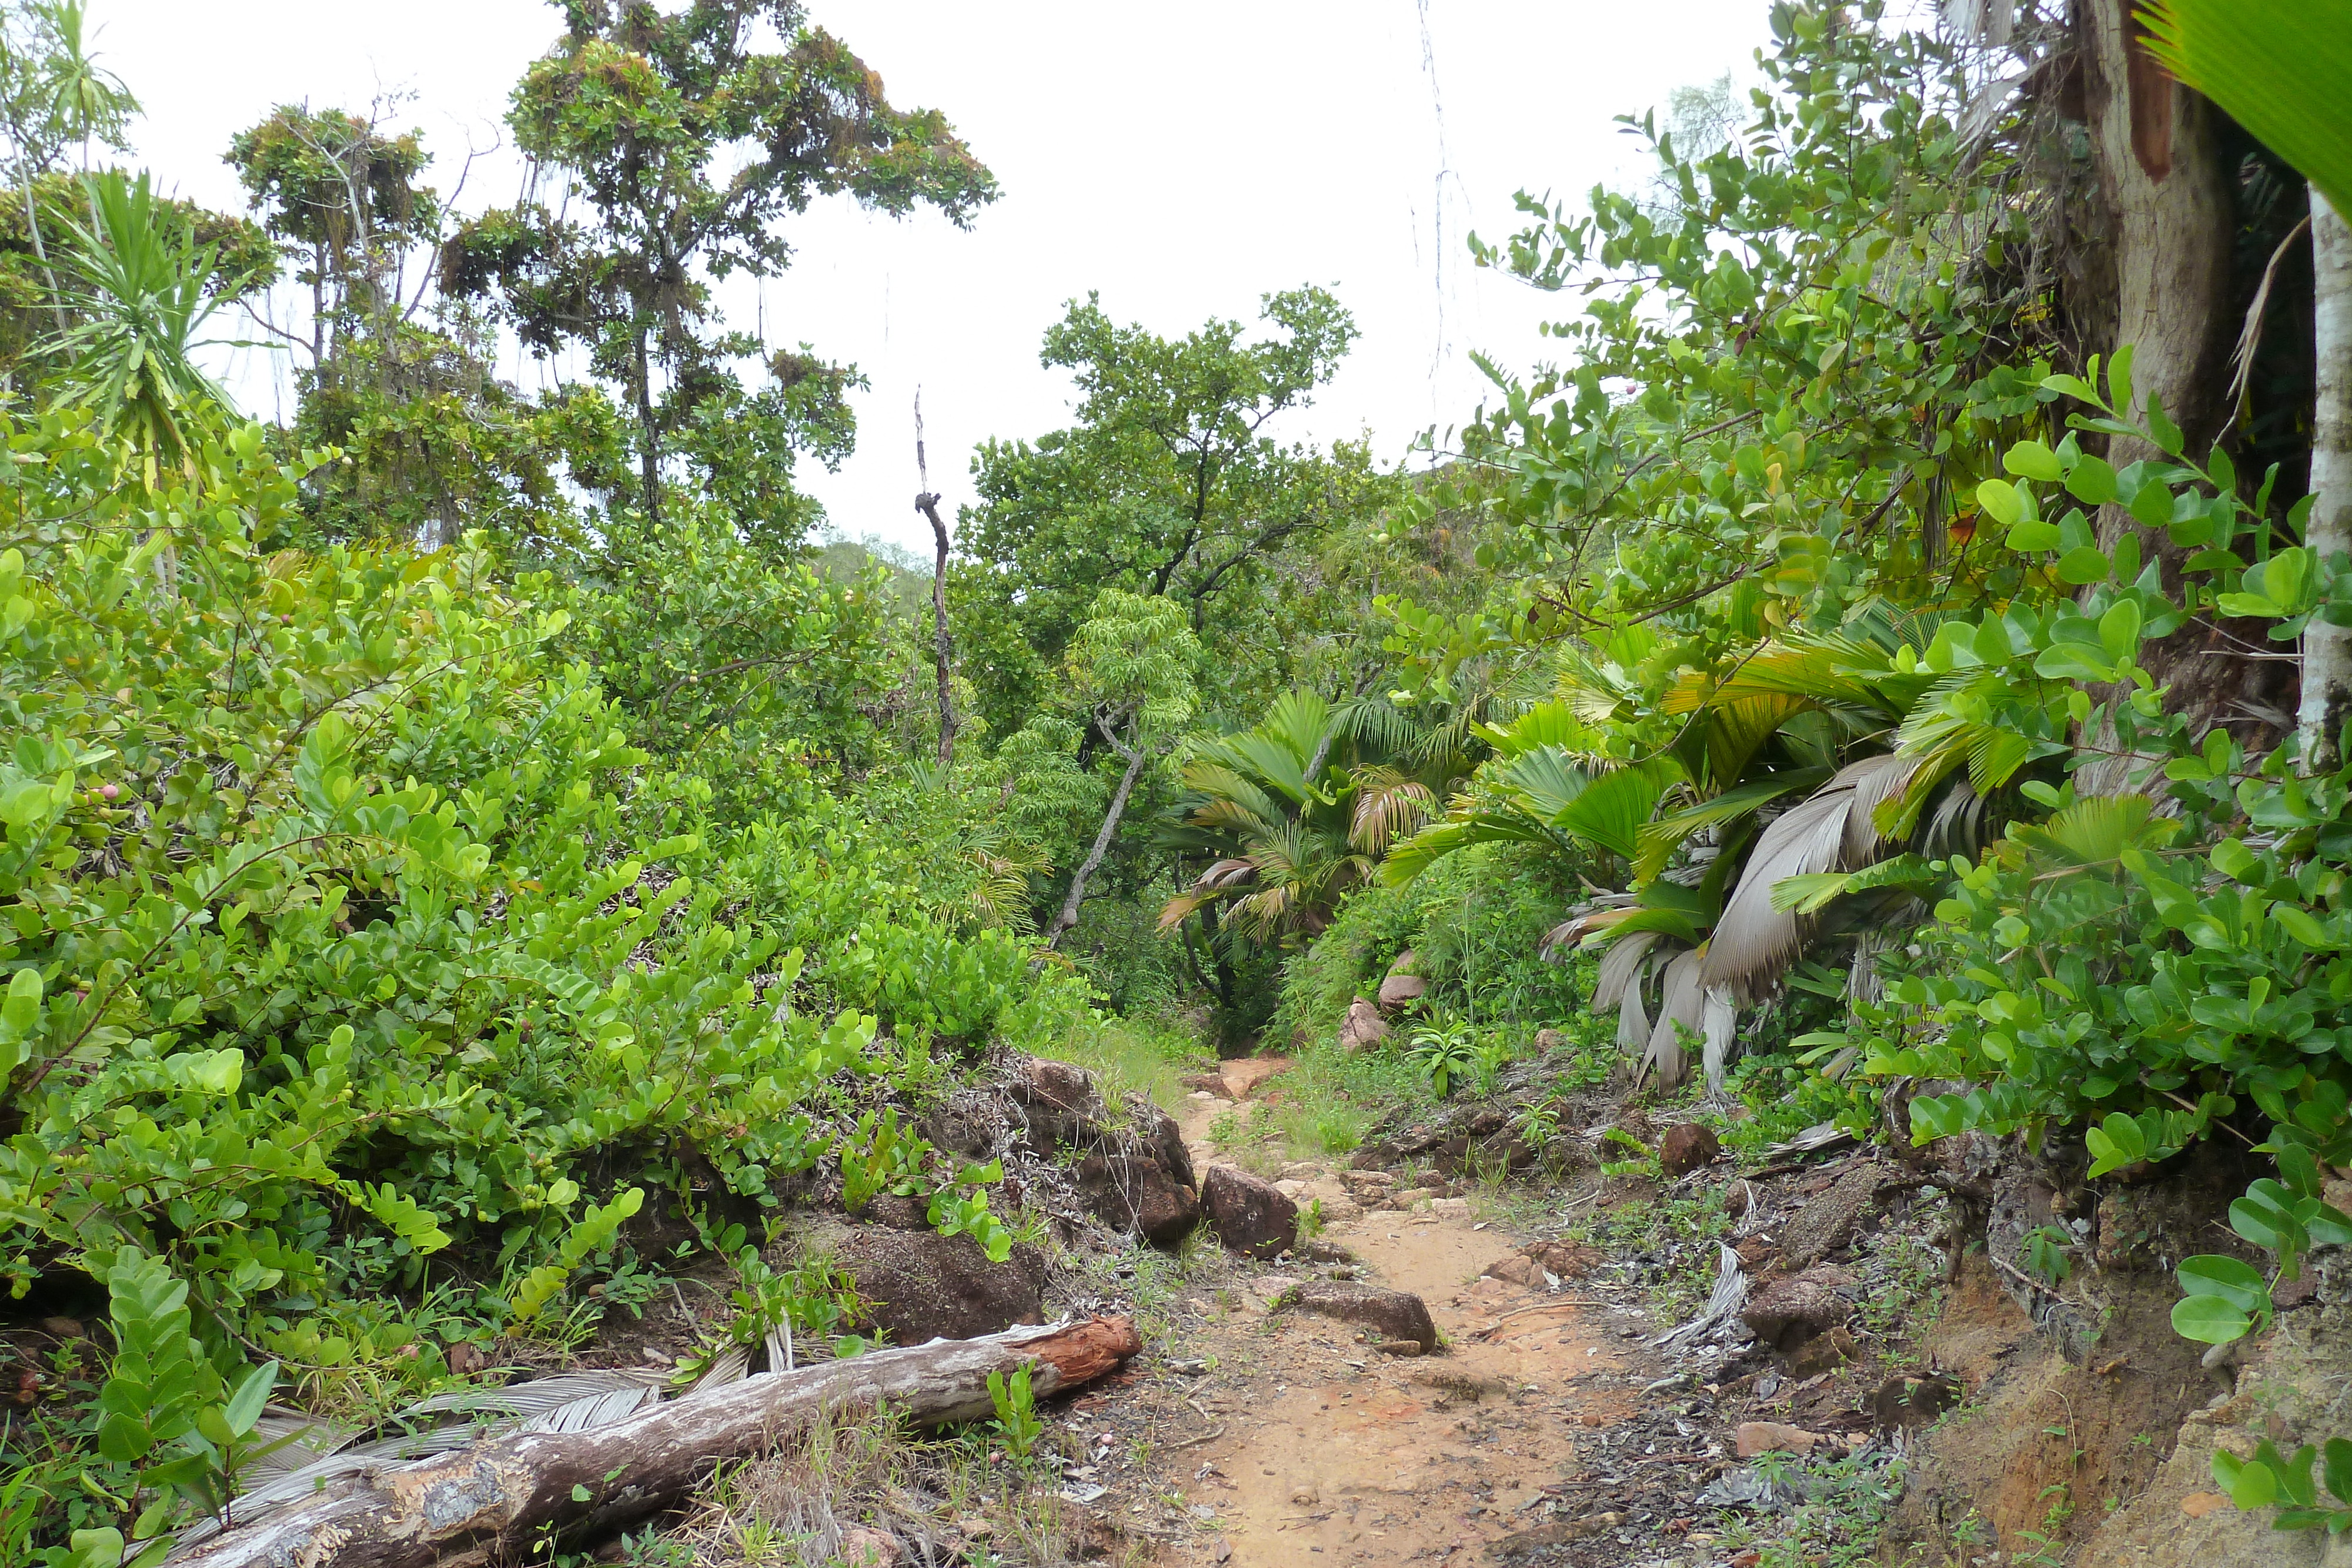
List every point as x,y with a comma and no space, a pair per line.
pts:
2283,69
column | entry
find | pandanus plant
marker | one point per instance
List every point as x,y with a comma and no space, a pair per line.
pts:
143,290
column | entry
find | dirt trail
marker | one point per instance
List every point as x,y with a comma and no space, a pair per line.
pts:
1330,1452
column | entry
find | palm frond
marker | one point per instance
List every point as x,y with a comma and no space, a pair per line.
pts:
1753,941
1660,838
1682,1004
1389,805
1610,811
2282,68
1621,969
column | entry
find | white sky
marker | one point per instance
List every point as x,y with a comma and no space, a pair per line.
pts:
1182,160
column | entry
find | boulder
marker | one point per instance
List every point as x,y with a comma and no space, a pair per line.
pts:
1786,1313
1756,1437
1248,1215
1823,1353
1364,1028
862,1547
1065,1109
1905,1401
1563,1260
1398,1316
1828,1222
1518,1269
1139,1194
1687,1146
920,1285
1548,1041
1134,1173
1398,989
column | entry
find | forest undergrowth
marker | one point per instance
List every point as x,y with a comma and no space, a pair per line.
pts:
495,885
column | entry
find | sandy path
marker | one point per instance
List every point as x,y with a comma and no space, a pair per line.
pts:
1331,1453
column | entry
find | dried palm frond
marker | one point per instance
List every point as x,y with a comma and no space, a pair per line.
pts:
1682,1005
570,1402
1389,805
1621,969
1753,941
1718,1019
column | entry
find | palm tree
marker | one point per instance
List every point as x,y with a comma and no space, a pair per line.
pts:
55,93
1805,784
145,291
1293,813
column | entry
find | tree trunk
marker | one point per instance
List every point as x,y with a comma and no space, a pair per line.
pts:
649,459
929,504
2326,698
2167,216
1135,757
499,1497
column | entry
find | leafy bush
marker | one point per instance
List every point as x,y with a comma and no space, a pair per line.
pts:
351,948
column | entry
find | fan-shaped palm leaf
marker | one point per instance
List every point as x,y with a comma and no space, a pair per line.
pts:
1831,830
1388,804
1609,811
1660,838
2282,70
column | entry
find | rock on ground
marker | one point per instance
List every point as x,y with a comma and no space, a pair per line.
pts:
1248,1214
1756,1437
1364,1027
920,1286
1828,1222
1138,1195
1393,1314
1786,1313
1135,1176
1686,1148
1242,1075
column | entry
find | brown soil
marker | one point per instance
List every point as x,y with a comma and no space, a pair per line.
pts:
1300,1441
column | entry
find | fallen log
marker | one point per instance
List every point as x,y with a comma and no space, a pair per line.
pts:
502,1494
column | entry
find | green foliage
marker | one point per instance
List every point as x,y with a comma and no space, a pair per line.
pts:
691,144
1168,484
2280,70
1018,1425
2269,1478
1285,847
349,940
1445,1054
147,288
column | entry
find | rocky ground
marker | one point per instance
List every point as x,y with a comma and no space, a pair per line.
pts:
1557,1422
1625,1348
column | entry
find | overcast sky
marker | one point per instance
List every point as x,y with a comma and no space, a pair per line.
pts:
1181,160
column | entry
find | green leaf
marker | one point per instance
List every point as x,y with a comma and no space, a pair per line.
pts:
2225,1279
2092,481
246,1406
2032,460
2335,1467
2208,1319
2279,68
2119,380
2119,629
2115,1143
2033,538
2072,662
2083,565
2000,502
